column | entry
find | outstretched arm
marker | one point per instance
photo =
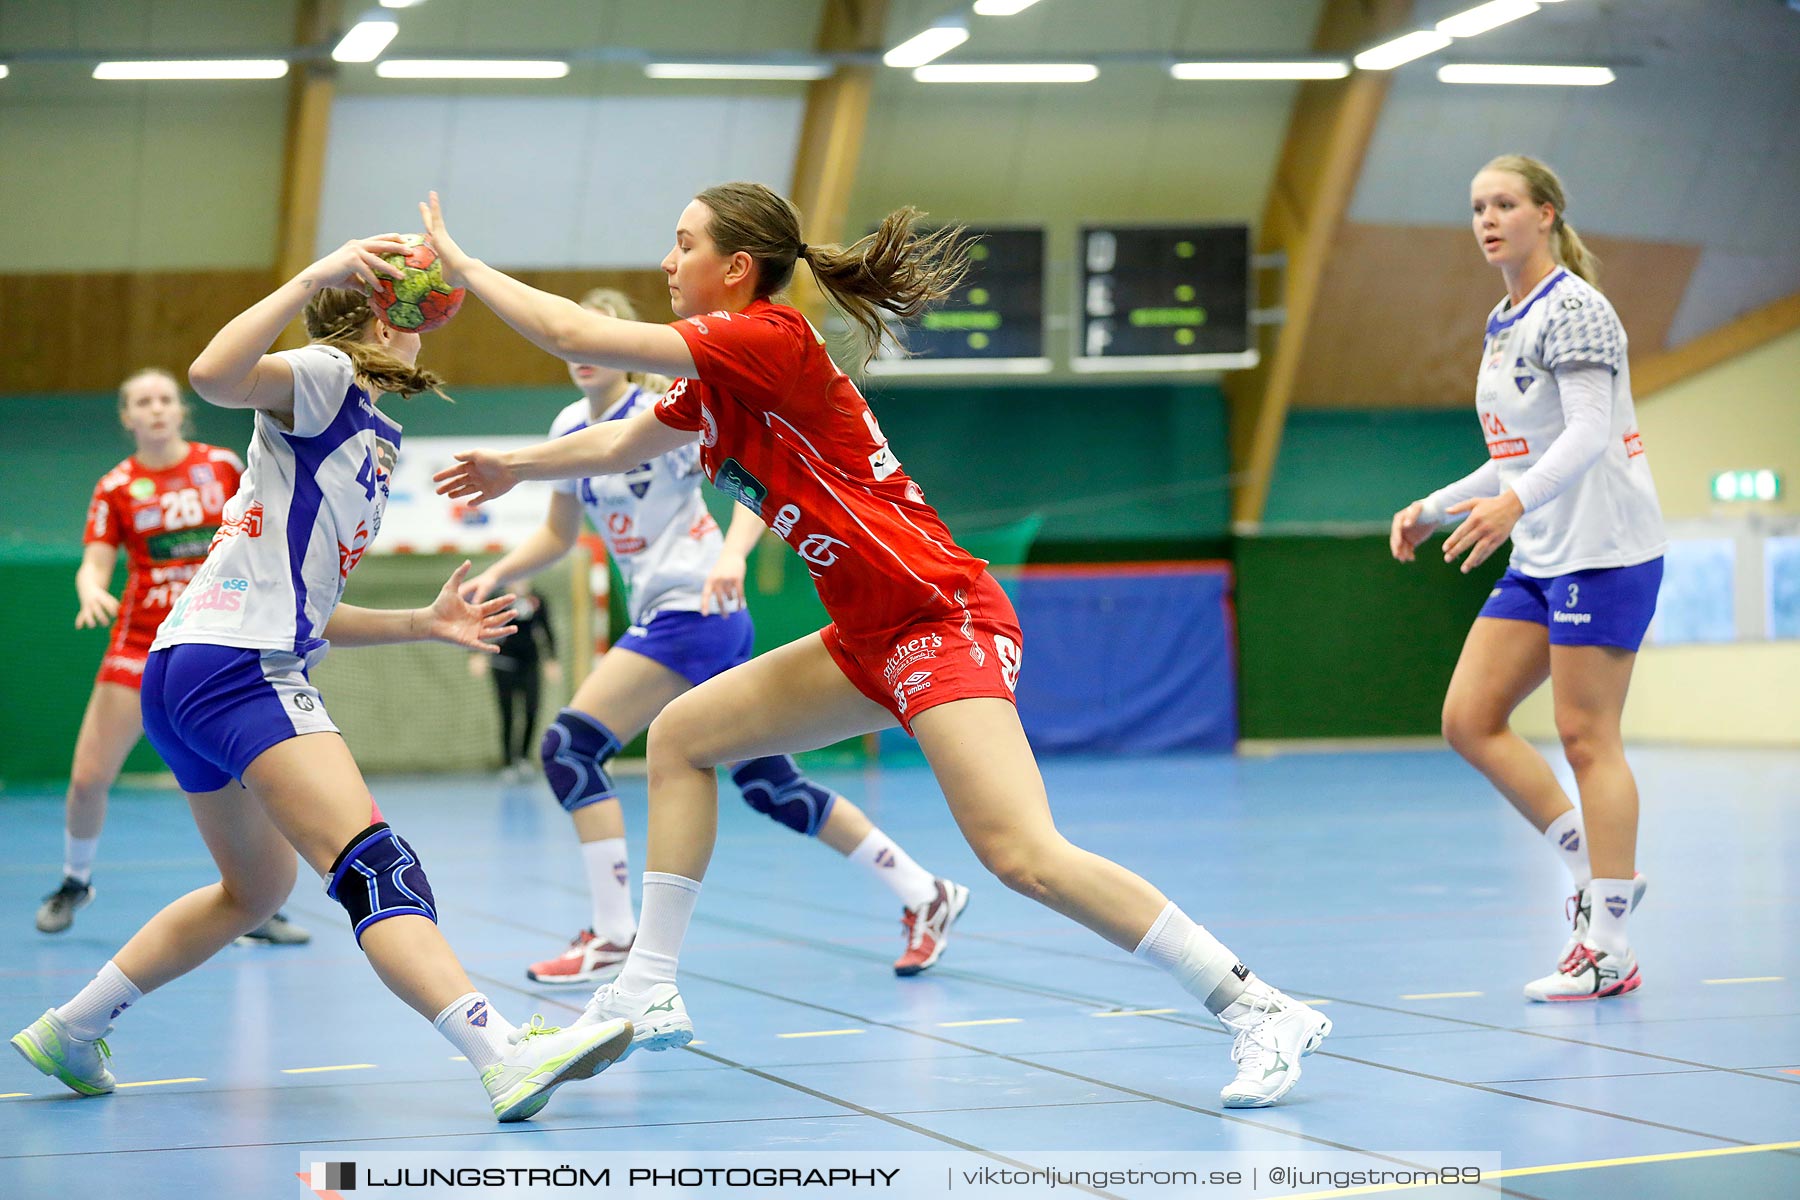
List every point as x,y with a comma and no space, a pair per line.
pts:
236,370
554,323
474,626
608,448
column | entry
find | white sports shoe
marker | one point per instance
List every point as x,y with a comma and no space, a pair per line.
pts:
544,1057
1588,974
1274,1032
658,1017
48,1045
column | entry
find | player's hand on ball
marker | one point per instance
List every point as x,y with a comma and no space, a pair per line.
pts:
1490,523
358,263
479,475
98,608
474,626
1408,531
449,253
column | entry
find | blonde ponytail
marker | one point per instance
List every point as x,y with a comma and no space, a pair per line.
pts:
340,318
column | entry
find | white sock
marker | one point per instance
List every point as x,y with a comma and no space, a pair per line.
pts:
472,1025
1568,837
1197,959
609,882
668,907
882,857
1606,927
78,857
106,996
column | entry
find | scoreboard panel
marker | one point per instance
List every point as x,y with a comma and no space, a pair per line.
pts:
1161,298
992,323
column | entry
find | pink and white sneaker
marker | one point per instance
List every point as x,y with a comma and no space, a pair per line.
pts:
1588,974
587,960
928,926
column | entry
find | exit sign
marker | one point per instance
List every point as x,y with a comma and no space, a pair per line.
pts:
1746,485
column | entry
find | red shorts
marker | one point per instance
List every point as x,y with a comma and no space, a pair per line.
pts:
126,652
969,654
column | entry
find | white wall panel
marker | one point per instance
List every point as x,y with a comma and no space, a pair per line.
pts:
548,182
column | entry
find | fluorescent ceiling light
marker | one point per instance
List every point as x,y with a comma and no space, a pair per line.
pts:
1007,73
1001,8
1389,55
920,49
676,70
215,68
1484,17
4,71
401,3
365,41
1260,70
1509,73
471,68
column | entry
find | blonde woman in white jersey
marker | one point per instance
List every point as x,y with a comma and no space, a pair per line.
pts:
1567,480
688,623
228,705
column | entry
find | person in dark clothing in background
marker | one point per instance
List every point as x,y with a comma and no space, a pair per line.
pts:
518,672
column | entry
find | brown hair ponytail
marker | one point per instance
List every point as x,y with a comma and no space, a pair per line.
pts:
340,318
897,268
1566,246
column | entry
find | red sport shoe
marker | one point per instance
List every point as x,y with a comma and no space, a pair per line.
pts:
587,960
928,926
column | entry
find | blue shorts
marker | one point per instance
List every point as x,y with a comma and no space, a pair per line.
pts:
1607,606
696,646
211,710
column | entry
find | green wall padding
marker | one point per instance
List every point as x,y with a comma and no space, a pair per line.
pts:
1336,639
1363,466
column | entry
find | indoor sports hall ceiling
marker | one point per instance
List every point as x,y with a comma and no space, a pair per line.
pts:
1683,171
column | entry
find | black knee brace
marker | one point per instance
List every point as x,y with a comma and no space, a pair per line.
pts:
378,876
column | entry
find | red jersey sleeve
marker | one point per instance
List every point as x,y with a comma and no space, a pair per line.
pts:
754,355
680,408
103,523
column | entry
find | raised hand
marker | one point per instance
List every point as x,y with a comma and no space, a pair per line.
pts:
480,475
451,255
358,262
472,626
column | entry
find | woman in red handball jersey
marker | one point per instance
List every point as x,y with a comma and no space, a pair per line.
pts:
162,505
920,635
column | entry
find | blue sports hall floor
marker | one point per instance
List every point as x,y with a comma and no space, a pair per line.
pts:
1391,887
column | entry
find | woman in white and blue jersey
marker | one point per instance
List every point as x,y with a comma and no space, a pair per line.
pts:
1567,479
228,705
685,589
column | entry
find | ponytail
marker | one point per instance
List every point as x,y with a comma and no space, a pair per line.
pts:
1567,248
896,269
339,318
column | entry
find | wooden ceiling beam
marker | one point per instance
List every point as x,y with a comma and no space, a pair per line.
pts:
311,88
831,134
1321,159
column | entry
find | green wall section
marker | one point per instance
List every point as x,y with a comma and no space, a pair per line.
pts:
1360,466
1336,639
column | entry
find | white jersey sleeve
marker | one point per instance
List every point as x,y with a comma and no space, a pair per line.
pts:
322,377
1581,327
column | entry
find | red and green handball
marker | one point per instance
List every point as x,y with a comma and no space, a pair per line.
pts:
419,301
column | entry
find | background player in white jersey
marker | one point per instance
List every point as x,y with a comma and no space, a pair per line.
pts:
688,623
228,705
161,506
1567,480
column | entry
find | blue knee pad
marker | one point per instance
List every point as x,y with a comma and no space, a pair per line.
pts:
378,876
774,787
574,753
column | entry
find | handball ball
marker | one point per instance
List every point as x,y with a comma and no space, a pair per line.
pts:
420,301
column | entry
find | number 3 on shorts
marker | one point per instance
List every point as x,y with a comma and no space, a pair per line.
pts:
1010,654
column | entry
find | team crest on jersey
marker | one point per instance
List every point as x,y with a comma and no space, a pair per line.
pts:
638,479
740,485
